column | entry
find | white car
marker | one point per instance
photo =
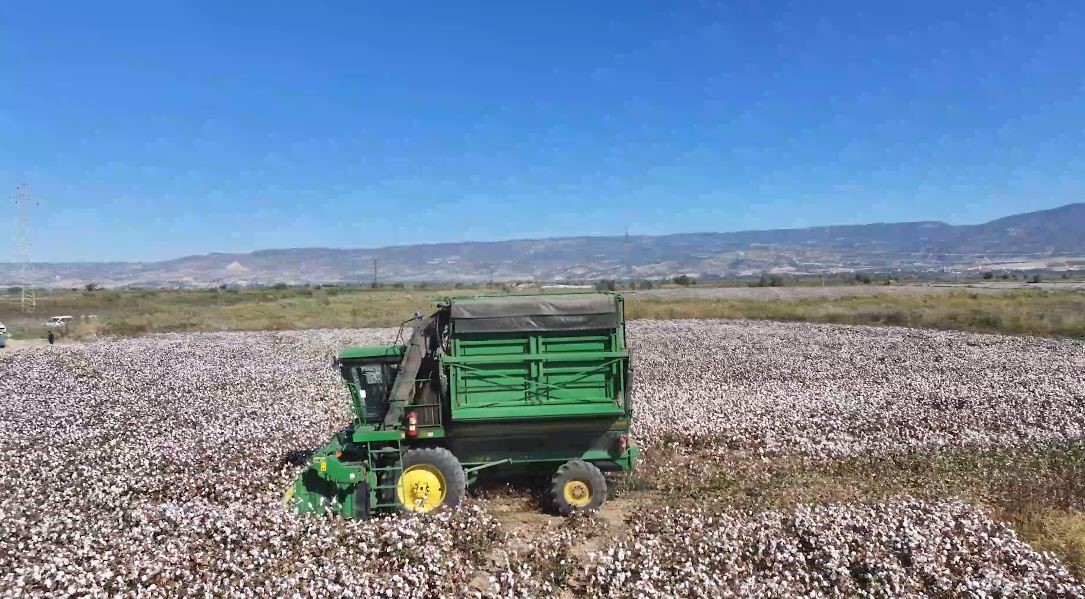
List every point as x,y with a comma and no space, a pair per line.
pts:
58,321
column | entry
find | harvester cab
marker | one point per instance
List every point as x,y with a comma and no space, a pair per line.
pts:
369,373
537,382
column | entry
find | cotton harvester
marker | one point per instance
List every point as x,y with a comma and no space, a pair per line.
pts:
536,383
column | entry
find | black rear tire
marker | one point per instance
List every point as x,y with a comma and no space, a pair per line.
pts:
577,486
450,469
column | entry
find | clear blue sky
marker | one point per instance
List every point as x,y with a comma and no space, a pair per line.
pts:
151,130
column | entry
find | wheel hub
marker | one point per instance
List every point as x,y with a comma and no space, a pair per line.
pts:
421,488
577,493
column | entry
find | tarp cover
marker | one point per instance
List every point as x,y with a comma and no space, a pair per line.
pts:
572,312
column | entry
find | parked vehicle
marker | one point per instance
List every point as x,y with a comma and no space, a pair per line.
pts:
537,383
58,322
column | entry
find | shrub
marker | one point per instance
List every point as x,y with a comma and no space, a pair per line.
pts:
767,280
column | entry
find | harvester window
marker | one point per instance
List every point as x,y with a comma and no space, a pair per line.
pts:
373,380
373,374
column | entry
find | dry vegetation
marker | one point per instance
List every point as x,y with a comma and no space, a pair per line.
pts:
780,459
1033,312
128,313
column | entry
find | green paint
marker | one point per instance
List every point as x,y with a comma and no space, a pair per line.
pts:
373,436
371,351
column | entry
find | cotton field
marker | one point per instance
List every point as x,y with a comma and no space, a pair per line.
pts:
155,467
829,390
896,549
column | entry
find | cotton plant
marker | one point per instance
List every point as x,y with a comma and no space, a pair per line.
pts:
155,467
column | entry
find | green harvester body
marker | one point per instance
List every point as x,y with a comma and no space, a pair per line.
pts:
526,382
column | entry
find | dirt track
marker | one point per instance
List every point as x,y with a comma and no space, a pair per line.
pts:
18,344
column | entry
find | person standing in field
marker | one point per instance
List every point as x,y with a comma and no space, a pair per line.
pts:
52,337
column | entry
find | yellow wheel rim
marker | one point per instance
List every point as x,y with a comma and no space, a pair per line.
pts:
421,488
577,493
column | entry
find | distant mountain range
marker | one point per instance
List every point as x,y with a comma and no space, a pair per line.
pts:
1048,239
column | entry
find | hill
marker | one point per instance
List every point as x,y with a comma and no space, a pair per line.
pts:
1045,239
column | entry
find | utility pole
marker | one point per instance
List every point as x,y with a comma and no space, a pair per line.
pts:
23,202
489,266
375,273
625,249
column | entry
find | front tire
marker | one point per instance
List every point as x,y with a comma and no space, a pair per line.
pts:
432,479
577,486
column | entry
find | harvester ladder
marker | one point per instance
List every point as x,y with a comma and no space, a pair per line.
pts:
387,476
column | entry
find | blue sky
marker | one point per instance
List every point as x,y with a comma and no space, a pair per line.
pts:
151,130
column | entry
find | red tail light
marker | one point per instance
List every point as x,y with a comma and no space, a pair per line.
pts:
412,424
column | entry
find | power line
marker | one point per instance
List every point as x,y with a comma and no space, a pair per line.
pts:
23,203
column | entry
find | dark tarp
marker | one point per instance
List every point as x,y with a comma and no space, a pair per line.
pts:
575,312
